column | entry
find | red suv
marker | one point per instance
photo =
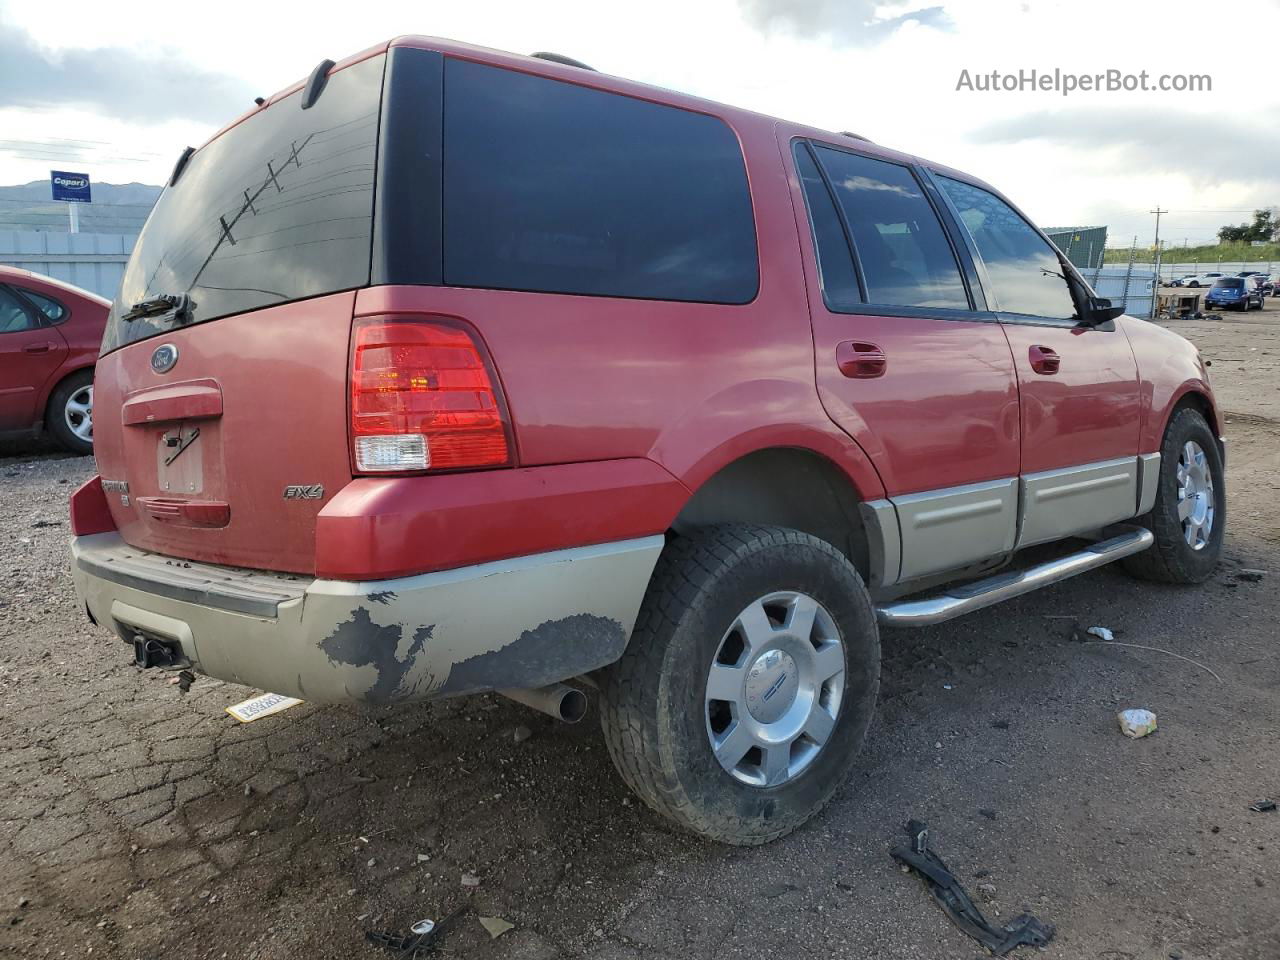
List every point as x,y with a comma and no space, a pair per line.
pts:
50,333
451,370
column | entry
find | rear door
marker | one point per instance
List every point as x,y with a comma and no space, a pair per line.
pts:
31,351
908,362
1078,384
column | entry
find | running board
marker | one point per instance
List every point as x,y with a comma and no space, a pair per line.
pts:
983,593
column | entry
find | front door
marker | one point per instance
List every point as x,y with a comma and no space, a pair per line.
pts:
1078,385
907,362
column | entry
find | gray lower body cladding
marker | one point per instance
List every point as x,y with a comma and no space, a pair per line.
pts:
518,623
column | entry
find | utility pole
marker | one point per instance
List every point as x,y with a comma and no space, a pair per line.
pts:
1157,211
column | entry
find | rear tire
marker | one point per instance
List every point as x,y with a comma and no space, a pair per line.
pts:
673,741
69,418
1181,507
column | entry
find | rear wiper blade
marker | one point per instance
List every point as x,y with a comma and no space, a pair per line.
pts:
179,304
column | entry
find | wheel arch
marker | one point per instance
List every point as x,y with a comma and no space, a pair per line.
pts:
1198,400
56,382
786,486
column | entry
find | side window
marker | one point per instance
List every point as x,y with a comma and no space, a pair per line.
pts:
904,253
51,308
1024,270
835,262
554,187
14,315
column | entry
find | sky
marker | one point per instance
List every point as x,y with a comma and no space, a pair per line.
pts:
117,90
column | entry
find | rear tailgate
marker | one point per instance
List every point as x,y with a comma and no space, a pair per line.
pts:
221,395
229,456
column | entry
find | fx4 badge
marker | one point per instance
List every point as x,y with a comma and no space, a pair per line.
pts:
304,491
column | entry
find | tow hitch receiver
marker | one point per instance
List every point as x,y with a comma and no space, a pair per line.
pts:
150,652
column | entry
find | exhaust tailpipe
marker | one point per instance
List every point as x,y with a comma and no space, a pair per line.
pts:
555,700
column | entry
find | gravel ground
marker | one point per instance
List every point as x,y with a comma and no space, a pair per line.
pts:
1244,348
136,822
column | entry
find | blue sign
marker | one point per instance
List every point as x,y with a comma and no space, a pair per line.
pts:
70,186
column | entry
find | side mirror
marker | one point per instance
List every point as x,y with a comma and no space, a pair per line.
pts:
1099,310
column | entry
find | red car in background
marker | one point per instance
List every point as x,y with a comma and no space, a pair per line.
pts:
50,333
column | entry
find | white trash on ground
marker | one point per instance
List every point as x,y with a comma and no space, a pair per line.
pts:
1136,723
1102,633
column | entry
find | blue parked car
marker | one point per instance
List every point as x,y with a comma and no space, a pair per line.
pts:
1239,292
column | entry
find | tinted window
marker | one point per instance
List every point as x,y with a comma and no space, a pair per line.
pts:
905,256
277,208
835,262
48,306
1025,273
14,315
554,187
1233,282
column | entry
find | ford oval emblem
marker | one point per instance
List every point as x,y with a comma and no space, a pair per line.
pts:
164,357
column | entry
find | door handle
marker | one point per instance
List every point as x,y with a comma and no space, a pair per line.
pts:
1045,360
37,348
861,361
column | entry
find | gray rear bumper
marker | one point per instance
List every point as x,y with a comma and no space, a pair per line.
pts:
517,623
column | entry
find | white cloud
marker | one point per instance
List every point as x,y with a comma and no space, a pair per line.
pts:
812,62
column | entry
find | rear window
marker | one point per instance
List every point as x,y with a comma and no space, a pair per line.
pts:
50,307
904,254
278,208
554,187
1229,282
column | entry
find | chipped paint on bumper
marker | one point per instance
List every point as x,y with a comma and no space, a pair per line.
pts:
523,622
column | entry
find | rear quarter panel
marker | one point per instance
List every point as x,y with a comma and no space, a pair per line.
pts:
691,386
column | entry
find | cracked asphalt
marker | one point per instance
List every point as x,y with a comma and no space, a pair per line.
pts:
136,822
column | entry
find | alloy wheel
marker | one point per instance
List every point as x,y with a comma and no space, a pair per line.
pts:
1195,495
78,413
774,688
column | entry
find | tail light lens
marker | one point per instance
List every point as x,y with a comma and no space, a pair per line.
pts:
423,397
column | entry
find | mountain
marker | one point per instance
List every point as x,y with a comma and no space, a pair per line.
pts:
116,208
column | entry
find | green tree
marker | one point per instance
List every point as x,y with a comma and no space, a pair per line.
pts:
1264,227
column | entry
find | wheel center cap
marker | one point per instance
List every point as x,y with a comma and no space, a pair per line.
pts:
772,682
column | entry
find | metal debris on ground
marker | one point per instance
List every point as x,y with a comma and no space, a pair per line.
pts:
421,938
1136,723
1263,806
1102,633
956,903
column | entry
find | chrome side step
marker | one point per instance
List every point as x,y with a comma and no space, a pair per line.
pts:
983,593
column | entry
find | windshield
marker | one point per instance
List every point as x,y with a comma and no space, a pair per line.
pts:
277,208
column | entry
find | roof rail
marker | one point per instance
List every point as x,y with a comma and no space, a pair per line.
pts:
855,136
561,58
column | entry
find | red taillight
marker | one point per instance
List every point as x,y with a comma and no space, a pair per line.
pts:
423,398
